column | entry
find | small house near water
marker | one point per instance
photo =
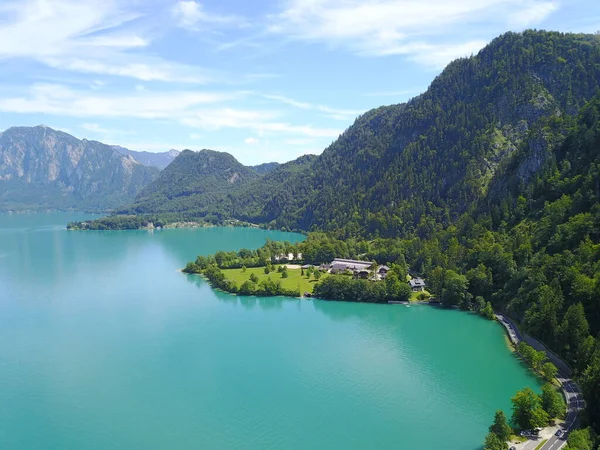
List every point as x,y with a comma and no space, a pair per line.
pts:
417,284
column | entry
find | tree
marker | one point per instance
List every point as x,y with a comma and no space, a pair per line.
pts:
254,278
479,303
317,275
493,442
549,371
284,274
465,302
480,280
574,330
500,426
455,288
267,270
581,440
488,311
551,401
527,410
538,360
396,289
244,269
247,288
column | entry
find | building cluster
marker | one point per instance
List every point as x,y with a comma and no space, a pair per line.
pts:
365,270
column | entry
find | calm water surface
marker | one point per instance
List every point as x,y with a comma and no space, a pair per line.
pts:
105,345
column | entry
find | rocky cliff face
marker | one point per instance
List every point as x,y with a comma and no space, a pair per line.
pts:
41,168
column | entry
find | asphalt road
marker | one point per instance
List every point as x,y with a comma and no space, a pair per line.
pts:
574,404
573,397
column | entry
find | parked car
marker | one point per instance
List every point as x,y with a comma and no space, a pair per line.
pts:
559,433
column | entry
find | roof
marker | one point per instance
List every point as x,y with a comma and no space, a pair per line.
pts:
417,282
351,261
350,264
383,268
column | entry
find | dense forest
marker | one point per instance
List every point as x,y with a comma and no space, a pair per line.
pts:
488,184
485,124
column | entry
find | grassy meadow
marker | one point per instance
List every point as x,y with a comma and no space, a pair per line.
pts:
294,280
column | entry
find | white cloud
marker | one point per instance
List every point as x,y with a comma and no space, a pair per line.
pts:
145,69
404,27
251,141
533,14
334,113
86,36
61,100
94,128
189,13
190,108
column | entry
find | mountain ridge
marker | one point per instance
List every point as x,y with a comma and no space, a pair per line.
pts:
43,168
160,160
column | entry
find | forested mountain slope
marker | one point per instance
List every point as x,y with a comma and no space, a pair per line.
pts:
437,154
193,182
427,161
41,168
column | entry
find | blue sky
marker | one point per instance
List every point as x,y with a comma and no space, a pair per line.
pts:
263,80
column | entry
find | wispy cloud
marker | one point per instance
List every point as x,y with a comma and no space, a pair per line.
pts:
86,36
403,27
61,100
94,128
201,110
251,141
189,13
334,113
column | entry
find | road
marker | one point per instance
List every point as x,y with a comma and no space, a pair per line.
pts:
573,397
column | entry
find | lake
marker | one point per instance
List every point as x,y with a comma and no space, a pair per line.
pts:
104,344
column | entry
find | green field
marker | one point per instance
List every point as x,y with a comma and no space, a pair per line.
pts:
294,280
415,295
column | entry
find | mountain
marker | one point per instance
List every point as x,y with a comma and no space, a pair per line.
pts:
193,180
406,167
265,168
158,160
41,168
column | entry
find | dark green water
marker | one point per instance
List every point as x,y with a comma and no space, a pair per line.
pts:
105,345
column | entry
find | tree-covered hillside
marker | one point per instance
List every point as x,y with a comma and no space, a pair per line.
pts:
401,167
193,182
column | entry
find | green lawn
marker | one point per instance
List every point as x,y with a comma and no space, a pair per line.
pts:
415,295
294,280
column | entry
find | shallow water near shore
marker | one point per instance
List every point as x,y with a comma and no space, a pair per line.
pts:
105,345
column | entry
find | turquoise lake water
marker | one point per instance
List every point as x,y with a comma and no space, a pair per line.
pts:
105,345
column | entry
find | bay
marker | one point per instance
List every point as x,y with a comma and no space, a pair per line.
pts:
104,344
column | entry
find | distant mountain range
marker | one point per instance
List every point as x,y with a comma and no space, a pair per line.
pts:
41,168
158,160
